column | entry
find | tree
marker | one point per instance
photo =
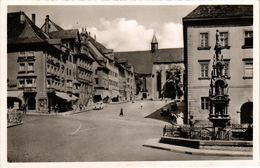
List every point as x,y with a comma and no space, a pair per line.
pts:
173,85
139,83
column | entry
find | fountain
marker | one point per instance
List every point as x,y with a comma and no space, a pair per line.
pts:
218,94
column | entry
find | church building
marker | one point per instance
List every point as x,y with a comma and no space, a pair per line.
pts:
158,72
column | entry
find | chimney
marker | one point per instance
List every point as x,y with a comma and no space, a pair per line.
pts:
94,37
47,24
33,18
22,18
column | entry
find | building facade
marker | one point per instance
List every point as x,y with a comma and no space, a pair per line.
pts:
156,71
29,53
167,70
235,26
49,69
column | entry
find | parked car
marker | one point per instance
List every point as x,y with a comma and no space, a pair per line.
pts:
98,106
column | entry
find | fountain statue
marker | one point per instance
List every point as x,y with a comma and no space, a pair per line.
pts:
218,92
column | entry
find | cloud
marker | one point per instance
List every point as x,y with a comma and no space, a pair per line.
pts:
171,35
128,35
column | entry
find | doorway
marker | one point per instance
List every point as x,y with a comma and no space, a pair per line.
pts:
246,115
31,103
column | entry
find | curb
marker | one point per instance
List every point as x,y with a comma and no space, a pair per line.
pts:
114,103
70,112
13,125
59,114
154,143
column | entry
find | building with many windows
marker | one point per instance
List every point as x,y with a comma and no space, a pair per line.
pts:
49,69
63,86
235,26
54,70
29,49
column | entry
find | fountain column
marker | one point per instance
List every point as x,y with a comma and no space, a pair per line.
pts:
218,101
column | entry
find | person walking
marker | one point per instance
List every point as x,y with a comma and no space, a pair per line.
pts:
141,105
121,112
24,108
56,108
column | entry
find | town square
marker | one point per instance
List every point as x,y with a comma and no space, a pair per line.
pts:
130,83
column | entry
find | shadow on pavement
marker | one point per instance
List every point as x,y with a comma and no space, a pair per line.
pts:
166,116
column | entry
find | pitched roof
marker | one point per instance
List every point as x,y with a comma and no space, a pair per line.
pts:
170,55
221,11
55,25
26,32
142,61
99,46
64,34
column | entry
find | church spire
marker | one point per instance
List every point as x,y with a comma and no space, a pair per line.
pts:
154,44
154,40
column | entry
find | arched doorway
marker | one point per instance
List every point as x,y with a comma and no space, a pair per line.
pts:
246,115
31,103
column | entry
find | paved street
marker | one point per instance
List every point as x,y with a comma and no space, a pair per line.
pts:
93,136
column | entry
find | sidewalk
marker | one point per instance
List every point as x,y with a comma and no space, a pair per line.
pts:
72,111
154,143
62,113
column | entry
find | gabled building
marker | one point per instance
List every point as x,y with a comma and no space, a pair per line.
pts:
29,49
110,75
49,69
235,26
77,71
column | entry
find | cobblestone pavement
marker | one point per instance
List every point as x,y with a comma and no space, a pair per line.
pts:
96,135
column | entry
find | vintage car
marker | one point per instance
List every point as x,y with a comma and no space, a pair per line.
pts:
98,106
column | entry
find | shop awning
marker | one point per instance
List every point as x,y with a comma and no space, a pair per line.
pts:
115,93
73,98
16,94
65,96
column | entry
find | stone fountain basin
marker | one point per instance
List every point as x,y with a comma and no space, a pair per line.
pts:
231,145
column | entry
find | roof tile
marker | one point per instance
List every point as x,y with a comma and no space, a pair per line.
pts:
27,32
64,34
143,60
220,11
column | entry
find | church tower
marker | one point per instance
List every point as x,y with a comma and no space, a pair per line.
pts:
154,45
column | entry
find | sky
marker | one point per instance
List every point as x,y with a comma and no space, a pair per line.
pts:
122,28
